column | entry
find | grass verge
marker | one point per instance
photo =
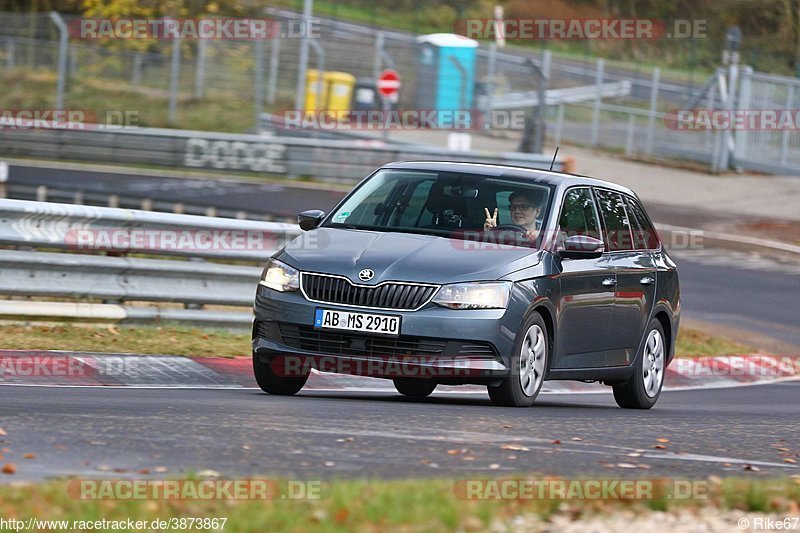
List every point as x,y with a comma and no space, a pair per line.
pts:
194,342
406,505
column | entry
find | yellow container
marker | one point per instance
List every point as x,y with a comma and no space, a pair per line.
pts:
336,93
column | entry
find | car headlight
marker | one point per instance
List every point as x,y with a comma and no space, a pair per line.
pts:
478,295
280,276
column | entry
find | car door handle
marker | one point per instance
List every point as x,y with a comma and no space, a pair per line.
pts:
647,280
609,282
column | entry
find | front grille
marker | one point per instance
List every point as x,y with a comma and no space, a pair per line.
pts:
309,339
388,295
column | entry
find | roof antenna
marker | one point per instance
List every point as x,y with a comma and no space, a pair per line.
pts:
553,162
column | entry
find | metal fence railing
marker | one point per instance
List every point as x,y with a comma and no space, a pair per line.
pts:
63,261
177,74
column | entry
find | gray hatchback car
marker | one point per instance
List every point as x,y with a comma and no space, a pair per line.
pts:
432,273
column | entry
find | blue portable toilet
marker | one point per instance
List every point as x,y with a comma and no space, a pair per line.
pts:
446,75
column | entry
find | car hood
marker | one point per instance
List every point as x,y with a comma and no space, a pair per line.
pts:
404,256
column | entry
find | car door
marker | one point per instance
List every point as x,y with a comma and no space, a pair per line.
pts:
586,301
635,269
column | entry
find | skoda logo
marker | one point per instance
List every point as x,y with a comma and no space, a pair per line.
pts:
366,274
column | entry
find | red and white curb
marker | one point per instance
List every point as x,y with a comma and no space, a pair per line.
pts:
83,369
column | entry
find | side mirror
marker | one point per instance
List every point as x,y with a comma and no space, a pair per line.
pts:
581,247
310,219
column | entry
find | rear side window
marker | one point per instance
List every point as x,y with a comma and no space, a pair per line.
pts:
618,228
579,214
644,235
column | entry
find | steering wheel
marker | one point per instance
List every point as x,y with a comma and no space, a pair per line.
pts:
511,227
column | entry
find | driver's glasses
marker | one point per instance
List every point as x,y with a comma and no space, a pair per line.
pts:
519,207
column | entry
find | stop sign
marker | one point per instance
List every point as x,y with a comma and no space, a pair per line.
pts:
389,83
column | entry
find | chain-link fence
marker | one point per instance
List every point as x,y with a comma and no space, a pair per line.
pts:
590,102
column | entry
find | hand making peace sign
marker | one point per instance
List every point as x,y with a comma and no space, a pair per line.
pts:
491,221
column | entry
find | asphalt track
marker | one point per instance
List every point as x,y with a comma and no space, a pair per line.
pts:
117,432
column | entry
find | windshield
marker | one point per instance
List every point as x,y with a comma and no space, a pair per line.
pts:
447,204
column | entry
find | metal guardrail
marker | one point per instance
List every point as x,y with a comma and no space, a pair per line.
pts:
333,159
88,228
99,287
568,95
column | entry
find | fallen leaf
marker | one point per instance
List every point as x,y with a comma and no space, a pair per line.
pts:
3,432
514,447
160,469
341,515
494,466
660,447
751,468
576,438
208,473
144,471
556,442
9,468
29,456
789,460
507,426
111,329
783,449
245,446
625,465
468,458
348,439
662,440
457,451
634,454
330,463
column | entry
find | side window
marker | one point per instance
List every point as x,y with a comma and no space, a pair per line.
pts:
644,235
579,214
618,227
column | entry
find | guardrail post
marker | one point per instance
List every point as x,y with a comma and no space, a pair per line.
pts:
598,99
136,75
274,58
241,215
178,208
744,103
785,135
629,140
377,55
77,198
147,204
41,193
173,81
3,179
559,124
63,48
258,97
113,200
200,69
302,62
547,61
490,75
211,212
651,119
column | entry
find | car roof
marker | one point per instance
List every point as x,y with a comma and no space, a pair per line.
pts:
552,177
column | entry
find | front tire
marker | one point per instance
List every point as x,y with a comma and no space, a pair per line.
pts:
642,390
414,388
528,366
272,383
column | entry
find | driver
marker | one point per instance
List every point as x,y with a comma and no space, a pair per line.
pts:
523,213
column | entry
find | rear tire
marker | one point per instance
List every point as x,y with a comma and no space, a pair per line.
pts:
642,390
414,388
528,366
272,383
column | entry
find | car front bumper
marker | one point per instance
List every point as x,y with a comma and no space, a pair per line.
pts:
447,345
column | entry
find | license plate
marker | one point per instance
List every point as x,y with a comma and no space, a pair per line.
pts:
351,321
